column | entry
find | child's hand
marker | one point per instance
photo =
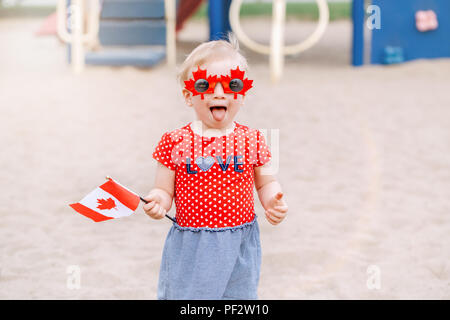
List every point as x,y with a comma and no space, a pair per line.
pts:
153,208
277,209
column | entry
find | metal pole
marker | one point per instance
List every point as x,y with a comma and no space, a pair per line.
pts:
277,39
358,32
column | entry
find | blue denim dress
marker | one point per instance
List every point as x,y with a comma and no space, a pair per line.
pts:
210,263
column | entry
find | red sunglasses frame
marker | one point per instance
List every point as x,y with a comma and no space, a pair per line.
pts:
223,79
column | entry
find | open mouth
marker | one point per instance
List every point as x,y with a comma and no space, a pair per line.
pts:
218,112
218,107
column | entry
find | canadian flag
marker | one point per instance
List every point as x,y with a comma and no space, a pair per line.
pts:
109,201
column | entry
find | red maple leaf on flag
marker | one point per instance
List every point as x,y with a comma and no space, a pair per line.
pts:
106,204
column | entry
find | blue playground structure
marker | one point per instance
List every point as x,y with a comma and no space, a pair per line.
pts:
398,38
130,32
134,32
219,22
135,26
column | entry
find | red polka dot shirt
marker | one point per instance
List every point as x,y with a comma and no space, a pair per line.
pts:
214,176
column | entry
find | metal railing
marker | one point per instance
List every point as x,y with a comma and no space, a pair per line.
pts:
277,50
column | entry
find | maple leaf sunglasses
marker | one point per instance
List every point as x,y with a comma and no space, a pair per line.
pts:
201,84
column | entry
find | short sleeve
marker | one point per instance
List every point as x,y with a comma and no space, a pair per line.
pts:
163,151
263,152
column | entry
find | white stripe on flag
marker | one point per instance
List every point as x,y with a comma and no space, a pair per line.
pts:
91,201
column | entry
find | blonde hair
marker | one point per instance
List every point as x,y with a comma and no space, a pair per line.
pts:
210,51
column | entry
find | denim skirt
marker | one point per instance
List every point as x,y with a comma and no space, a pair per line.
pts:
210,263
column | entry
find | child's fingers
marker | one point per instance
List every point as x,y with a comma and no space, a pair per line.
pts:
161,212
279,195
270,219
152,197
277,199
152,207
282,209
149,206
156,209
155,213
276,214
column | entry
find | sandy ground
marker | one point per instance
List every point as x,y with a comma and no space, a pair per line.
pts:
364,163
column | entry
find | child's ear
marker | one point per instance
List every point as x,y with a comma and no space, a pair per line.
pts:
187,97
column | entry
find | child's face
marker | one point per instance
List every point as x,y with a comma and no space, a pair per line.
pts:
216,110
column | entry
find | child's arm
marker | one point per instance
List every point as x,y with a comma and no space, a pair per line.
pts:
161,196
270,195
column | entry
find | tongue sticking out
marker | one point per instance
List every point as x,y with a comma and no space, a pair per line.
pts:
218,113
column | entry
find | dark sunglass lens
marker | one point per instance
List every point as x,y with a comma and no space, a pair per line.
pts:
201,85
236,85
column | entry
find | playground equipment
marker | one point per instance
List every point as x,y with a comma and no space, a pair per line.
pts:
277,50
185,9
129,32
388,32
384,31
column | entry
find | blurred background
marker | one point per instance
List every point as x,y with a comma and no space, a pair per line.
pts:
364,142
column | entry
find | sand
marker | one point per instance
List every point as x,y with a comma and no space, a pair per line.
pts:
364,163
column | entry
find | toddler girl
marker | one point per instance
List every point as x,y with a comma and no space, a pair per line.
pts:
210,167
